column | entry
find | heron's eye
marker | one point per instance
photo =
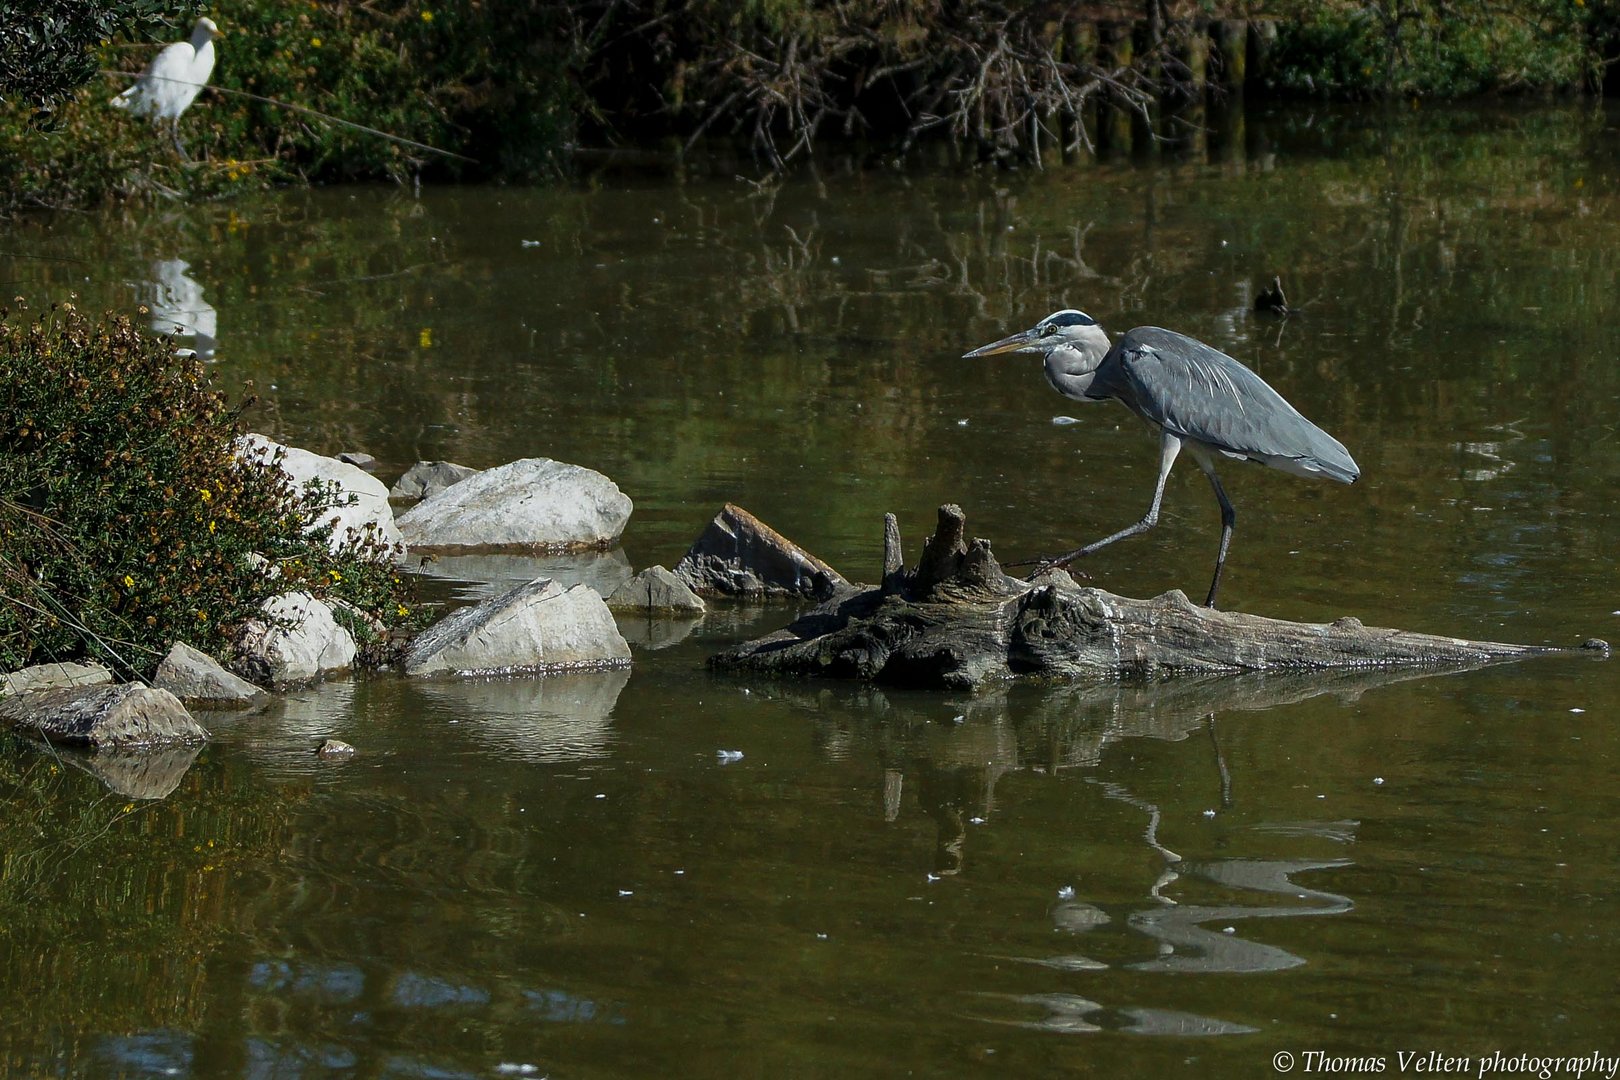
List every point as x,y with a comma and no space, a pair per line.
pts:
1049,329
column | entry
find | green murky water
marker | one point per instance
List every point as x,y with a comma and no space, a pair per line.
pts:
561,877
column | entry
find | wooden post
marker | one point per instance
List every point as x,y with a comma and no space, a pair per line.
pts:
1115,51
1262,42
1230,44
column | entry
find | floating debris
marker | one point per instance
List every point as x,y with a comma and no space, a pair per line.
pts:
726,757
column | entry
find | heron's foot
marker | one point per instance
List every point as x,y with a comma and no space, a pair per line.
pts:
1048,563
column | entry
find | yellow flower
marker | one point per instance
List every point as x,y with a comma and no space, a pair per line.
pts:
129,582
205,495
336,577
427,16
210,526
202,616
403,611
314,42
425,338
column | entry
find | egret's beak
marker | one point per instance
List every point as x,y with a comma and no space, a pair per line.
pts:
1017,342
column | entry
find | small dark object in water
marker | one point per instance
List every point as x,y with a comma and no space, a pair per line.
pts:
1271,300
334,748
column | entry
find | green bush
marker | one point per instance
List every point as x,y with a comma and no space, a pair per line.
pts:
128,522
491,82
1430,48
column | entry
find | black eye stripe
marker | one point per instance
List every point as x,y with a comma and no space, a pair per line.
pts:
1068,318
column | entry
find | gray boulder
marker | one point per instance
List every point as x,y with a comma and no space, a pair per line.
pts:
426,479
197,679
364,498
533,505
126,715
53,676
536,627
656,590
740,555
297,642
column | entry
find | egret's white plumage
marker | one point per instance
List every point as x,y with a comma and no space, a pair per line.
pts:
174,78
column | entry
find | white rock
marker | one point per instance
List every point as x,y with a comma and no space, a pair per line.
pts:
369,505
297,642
197,679
539,626
534,504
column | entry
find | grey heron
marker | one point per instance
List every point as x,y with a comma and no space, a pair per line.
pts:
172,81
1196,397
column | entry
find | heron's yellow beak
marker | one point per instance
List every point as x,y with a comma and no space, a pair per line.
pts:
1013,343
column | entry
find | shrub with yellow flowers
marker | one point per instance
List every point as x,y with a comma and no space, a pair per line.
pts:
128,521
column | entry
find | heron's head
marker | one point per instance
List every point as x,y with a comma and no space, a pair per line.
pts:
204,27
1066,327
1071,343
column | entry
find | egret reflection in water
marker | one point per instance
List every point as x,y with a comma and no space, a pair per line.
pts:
175,300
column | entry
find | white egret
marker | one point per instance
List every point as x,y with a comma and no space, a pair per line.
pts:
172,81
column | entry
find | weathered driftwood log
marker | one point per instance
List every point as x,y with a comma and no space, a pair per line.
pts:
957,621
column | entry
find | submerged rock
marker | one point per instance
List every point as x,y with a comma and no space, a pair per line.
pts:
365,498
536,627
426,479
534,505
53,676
198,679
740,555
296,643
656,591
127,715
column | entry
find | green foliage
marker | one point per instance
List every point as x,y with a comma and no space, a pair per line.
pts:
48,47
1430,48
127,519
487,81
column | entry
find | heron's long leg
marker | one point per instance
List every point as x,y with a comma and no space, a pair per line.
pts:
1228,519
1169,447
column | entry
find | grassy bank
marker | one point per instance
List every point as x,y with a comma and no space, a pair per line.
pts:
515,86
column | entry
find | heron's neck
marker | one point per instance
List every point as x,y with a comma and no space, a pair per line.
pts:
1071,366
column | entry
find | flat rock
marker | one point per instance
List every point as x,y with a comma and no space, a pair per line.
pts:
530,505
368,509
297,642
656,591
198,679
740,555
53,676
126,715
426,479
536,627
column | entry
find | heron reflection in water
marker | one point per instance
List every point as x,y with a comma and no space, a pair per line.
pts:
1196,397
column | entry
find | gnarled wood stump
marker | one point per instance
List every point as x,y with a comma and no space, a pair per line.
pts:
957,621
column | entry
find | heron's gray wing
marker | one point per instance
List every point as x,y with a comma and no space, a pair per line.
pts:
1198,392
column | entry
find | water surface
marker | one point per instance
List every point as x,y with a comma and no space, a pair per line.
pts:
563,877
